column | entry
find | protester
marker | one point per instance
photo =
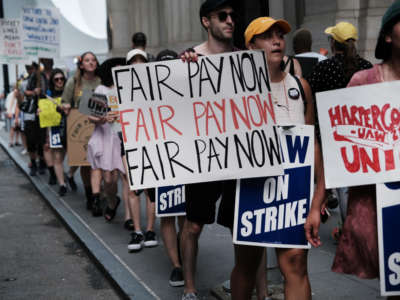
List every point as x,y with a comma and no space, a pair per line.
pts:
56,157
30,69
139,41
104,150
302,42
85,78
138,56
218,18
37,86
11,109
357,252
268,34
168,224
335,73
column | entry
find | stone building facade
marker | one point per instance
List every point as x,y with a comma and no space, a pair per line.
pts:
175,24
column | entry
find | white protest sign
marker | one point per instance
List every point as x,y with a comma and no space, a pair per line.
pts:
195,122
11,49
41,32
360,131
271,211
388,212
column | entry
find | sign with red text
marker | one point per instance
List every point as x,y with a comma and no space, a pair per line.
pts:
388,212
195,122
360,131
11,48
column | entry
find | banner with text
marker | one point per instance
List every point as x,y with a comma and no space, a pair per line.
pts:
271,211
79,131
360,134
11,48
200,121
41,32
93,104
388,212
170,201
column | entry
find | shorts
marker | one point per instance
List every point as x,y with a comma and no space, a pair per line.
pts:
201,199
152,194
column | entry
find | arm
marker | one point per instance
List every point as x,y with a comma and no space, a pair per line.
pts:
314,218
67,96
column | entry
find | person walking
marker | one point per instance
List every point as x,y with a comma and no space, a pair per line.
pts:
357,252
85,78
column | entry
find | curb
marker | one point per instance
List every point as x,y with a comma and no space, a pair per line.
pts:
127,284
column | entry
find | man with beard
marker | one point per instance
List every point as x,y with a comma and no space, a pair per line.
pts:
218,18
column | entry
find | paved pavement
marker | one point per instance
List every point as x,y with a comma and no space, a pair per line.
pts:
144,275
39,258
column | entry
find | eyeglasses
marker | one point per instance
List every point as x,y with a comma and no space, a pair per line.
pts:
59,79
223,15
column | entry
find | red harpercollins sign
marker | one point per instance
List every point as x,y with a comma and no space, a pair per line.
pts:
360,131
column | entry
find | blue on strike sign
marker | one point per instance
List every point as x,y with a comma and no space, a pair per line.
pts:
170,201
271,211
388,212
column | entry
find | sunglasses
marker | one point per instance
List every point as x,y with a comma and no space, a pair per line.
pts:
223,15
59,79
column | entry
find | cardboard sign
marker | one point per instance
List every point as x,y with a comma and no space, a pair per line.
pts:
41,32
271,211
79,131
170,201
388,213
93,104
48,115
55,138
200,121
360,134
11,49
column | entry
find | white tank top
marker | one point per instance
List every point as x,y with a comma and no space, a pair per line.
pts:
288,102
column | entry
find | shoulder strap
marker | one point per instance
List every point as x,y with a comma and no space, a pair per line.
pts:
303,94
291,66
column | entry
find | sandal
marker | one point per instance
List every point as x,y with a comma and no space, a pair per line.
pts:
128,225
109,213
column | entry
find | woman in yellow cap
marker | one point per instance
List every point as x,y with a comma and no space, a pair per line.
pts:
268,34
335,72
357,252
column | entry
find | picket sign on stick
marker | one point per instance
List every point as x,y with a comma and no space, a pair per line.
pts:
41,32
196,122
360,131
271,211
11,46
388,214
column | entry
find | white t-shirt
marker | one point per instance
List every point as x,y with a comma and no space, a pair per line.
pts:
312,54
11,103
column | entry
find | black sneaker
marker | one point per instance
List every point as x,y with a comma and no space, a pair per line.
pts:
33,171
52,180
136,242
150,239
176,278
97,210
72,183
42,167
62,191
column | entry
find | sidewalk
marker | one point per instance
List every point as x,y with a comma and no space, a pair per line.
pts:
144,275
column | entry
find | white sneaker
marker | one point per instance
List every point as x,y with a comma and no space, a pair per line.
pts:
23,152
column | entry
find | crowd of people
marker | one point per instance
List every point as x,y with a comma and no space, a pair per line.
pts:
307,71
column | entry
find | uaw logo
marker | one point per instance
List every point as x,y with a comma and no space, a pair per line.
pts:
369,131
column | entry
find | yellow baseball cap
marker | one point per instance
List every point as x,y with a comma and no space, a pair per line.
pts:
342,32
262,24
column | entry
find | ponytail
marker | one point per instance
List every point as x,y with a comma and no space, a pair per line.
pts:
350,63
